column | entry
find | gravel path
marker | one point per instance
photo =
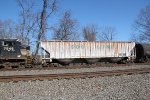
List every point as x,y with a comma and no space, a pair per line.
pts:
124,87
78,70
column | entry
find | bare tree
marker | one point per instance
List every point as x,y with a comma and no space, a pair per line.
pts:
2,33
134,37
49,7
66,29
142,24
34,19
89,33
27,20
7,29
107,34
1,28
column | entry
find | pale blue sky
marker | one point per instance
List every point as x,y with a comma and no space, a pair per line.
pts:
116,13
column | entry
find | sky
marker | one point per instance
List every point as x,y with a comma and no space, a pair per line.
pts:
120,14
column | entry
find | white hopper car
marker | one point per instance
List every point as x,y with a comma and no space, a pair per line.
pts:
66,52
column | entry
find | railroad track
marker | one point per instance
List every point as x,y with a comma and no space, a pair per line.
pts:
74,66
17,78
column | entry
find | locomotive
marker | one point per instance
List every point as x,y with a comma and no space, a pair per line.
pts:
13,54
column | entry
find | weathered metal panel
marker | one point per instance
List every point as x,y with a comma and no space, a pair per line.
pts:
72,49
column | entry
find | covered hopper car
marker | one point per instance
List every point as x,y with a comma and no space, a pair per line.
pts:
66,52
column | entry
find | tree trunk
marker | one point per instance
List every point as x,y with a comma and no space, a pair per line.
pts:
42,26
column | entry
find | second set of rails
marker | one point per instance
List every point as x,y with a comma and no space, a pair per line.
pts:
67,73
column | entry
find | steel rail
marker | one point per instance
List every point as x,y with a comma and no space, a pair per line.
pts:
17,78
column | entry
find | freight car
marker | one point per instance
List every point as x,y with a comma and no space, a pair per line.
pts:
142,52
66,52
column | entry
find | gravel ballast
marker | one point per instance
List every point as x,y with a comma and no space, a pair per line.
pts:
123,87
